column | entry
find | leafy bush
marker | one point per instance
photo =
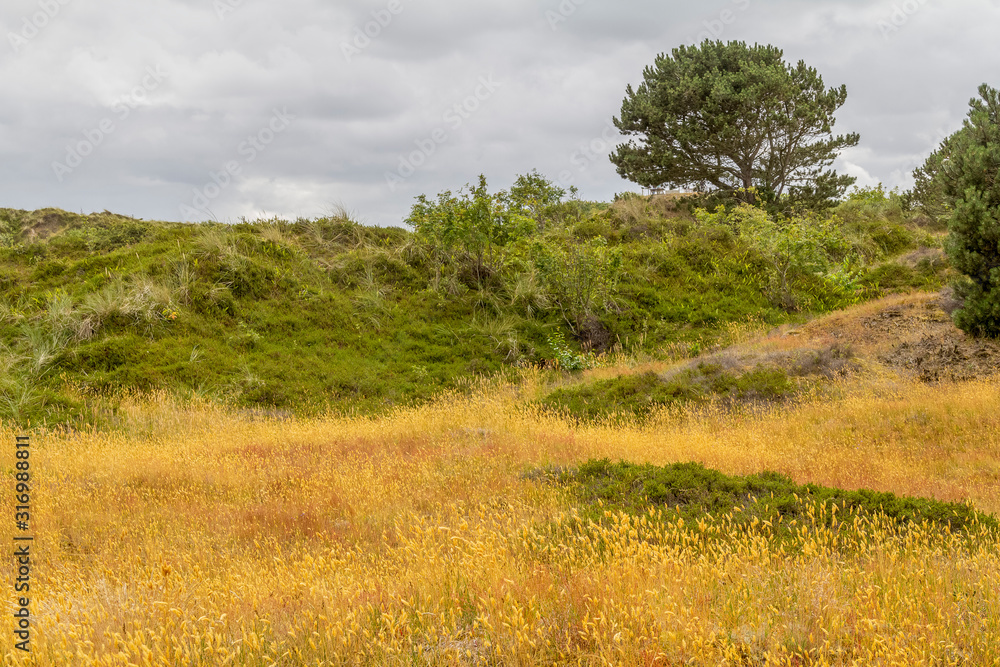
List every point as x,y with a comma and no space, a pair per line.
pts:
534,196
565,358
641,395
793,247
695,492
871,195
581,278
473,229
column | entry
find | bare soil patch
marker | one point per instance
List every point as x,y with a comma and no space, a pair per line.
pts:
911,333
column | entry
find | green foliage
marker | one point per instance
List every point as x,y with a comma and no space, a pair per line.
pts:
581,278
928,193
314,313
534,196
733,117
874,205
473,228
927,274
111,234
869,195
696,492
10,227
641,395
565,359
971,183
796,249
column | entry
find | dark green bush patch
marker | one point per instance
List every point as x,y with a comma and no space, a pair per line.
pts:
640,395
109,354
696,492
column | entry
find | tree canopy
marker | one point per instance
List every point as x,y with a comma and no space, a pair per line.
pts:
969,178
734,118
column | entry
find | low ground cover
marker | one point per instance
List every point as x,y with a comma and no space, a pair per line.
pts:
199,535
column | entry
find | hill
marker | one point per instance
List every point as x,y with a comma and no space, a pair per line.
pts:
310,315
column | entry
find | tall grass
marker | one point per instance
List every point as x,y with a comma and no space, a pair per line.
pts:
189,534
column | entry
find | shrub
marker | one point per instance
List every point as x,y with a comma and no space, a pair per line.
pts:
695,491
581,278
472,230
793,247
534,196
111,353
565,358
641,395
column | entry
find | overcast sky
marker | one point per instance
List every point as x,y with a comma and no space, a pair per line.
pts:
217,109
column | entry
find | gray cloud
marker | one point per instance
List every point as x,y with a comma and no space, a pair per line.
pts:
561,67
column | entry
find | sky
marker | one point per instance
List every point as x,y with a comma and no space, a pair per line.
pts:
188,110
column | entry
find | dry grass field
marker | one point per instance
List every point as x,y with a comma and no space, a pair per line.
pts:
197,536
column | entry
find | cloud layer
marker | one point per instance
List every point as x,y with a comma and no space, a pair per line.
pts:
190,109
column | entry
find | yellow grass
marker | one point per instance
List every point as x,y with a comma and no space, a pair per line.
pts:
197,537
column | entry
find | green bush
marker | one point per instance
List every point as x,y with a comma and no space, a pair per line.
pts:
696,492
581,278
796,248
246,278
535,197
109,354
473,230
642,394
565,358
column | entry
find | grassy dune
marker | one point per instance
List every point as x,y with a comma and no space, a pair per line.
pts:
194,536
298,317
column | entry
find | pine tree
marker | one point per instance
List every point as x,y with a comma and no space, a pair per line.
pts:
971,181
736,119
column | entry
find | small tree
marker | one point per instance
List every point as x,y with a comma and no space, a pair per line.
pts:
532,192
734,118
472,228
971,185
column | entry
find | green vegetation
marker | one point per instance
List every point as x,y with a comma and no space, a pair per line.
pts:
308,315
724,378
928,182
972,188
696,492
640,395
738,120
